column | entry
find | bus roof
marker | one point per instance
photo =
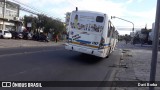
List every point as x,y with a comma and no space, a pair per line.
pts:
94,12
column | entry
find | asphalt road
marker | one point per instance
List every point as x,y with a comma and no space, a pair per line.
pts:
54,64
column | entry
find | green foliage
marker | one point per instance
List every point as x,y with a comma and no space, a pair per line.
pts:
32,20
121,37
145,31
48,24
124,37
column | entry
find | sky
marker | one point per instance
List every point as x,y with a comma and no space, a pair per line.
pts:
140,12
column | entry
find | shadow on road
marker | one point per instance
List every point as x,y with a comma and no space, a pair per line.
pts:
87,59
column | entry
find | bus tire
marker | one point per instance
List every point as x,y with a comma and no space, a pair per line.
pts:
2,36
108,54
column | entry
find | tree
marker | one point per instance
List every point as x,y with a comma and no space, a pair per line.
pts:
32,20
48,24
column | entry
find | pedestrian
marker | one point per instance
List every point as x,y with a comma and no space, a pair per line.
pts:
126,41
56,38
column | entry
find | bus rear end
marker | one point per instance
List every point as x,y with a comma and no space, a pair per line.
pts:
85,33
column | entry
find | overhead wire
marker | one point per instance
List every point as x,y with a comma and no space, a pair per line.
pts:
30,9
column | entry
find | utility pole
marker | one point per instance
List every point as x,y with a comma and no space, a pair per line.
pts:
155,46
4,12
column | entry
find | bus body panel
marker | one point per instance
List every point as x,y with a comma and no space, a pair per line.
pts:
87,31
84,29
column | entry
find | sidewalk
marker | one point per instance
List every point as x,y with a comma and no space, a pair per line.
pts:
10,43
134,65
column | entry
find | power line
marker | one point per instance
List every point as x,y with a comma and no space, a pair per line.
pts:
33,9
24,9
24,5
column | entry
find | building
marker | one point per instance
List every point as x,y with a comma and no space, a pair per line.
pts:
67,18
9,16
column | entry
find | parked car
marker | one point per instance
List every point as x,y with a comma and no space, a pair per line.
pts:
5,34
27,35
36,37
40,37
20,35
43,37
16,35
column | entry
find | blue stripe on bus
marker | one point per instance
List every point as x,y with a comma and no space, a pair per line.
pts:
106,44
87,42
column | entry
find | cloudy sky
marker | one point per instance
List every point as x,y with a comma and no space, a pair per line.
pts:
140,12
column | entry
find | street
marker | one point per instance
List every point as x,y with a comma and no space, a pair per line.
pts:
79,45
54,64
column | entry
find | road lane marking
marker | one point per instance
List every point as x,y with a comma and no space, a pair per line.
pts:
14,54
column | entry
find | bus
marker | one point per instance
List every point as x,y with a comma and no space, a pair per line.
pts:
91,33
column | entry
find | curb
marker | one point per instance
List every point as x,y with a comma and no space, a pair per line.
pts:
114,70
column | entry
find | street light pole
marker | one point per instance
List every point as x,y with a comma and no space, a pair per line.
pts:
124,20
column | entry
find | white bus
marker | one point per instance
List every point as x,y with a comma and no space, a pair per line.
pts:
91,33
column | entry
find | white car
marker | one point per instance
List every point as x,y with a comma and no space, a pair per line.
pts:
5,34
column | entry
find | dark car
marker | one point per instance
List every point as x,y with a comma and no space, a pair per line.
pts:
36,36
20,35
40,37
27,35
43,37
16,35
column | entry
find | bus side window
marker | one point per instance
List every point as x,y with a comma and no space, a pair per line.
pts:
109,29
113,32
114,35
